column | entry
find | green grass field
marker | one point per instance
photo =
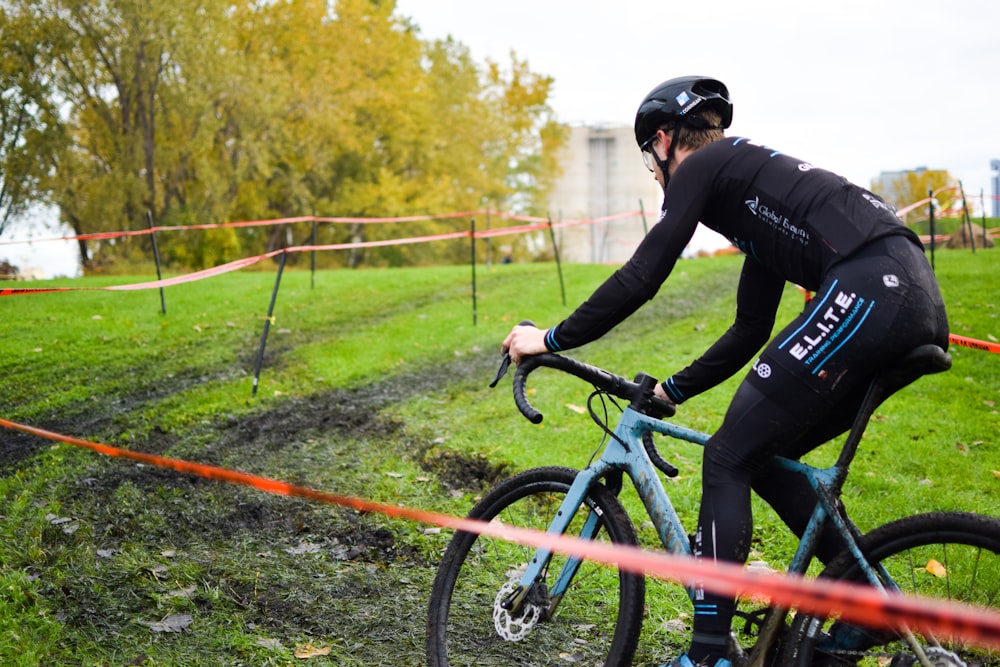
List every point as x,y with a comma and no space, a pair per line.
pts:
374,383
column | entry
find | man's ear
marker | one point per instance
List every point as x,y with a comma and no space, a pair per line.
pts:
665,139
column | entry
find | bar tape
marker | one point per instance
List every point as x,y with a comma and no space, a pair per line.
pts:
863,605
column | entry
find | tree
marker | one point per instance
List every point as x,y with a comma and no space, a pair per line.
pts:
901,189
195,111
30,130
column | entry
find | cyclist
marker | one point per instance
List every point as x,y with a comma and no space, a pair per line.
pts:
876,299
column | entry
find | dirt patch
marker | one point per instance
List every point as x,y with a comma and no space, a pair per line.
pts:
253,443
288,567
16,447
464,472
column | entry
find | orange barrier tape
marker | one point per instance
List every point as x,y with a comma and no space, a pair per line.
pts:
857,604
228,267
247,261
312,218
973,343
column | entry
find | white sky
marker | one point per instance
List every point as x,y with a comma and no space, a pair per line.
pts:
854,87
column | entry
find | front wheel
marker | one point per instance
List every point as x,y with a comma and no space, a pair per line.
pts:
944,555
596,622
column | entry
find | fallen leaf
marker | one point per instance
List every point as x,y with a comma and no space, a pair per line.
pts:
309,651
996,473
157,570
303,548
936,568
172,623
576,408
676,625
269,643
183,592
760,567
395,475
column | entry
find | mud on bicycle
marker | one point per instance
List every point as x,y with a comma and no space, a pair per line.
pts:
497,603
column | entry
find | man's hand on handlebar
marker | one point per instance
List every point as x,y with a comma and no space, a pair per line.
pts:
659,393
524,341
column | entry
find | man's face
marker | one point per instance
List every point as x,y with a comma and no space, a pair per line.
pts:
652,155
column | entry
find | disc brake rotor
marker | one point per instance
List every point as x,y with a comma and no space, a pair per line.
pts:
939,657
514,627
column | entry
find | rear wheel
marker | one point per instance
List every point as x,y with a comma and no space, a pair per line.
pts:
947,556
596,622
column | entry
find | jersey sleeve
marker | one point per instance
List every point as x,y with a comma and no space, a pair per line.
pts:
626,289
757,302
640,278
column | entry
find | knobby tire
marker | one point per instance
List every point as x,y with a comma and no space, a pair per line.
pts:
950,556
597,622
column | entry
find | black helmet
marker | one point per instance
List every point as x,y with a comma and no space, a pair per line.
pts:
677,99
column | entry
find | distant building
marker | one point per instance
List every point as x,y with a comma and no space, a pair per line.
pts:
897,187
603,175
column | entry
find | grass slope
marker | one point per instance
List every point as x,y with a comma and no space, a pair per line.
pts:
373,384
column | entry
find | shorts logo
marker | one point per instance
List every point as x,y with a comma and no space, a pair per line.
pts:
890,280
827,328
763,370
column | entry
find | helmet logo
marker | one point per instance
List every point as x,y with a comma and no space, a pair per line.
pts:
682,99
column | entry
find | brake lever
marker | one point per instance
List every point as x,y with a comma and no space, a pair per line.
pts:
504,365
505,360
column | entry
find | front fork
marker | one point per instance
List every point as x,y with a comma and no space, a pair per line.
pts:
535,572
624,452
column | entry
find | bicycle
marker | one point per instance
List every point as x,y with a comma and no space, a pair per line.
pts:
497,603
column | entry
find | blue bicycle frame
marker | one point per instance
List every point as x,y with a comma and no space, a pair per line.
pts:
625,453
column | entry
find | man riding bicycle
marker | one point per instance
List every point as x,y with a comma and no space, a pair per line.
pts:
876,299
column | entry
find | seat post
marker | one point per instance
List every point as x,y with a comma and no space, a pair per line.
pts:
923,360
873,397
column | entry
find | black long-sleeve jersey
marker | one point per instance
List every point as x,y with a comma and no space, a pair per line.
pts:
793,222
